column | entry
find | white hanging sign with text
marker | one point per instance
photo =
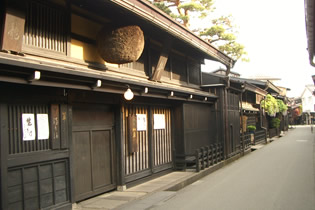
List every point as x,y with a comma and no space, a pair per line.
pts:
28,126
141,122
159,121
42,126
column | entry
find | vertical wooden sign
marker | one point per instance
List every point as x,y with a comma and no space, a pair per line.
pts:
132,133
55,127
13,27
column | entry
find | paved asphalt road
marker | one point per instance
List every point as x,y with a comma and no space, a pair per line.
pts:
280,175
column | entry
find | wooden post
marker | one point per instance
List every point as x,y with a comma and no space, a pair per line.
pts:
218,153
202,158
4,155
71,156
150,138
119,137
207,152
243,143
197,160
212,154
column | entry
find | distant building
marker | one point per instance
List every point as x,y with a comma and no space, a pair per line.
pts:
308,104
223,72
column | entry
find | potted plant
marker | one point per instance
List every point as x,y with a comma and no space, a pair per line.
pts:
251,128
274,127
275,122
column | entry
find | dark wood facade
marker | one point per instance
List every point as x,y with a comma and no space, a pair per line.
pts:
67,133
228,109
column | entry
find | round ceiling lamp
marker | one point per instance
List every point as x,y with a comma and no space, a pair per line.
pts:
128,95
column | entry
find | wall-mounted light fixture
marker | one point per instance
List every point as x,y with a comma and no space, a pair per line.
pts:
35,76
146,90
172,93
191,96
97,84
128,95
206,98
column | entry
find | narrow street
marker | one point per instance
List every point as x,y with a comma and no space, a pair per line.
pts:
280,175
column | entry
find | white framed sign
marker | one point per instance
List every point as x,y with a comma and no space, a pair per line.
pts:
141,122
159,121
28,126
42,126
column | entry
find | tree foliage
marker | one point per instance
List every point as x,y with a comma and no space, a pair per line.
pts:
218,31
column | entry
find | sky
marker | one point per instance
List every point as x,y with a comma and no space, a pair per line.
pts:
273,33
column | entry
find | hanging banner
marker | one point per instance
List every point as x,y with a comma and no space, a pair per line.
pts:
141,122
28,126
159,121
42,126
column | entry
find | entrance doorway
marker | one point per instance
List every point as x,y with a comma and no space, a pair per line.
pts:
93,150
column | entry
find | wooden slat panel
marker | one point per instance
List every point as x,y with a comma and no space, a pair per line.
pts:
82,170
36,186
162,139
44,27
136,161
16,143
101,155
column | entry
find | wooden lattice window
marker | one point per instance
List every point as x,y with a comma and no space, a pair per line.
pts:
17,142
45,27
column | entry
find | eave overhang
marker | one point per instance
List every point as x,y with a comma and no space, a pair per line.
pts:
253,88
249,107
270,85
15,70
158,18
310,27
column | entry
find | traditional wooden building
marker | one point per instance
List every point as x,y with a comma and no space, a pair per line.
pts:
310,26
251,112
67,132
227,109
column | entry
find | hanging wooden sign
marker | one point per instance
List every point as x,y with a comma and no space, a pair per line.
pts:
55,127
132,133
13,30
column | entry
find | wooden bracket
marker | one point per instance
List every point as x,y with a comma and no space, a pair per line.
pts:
157,74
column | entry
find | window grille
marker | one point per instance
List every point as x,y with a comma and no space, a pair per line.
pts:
45,27
16,143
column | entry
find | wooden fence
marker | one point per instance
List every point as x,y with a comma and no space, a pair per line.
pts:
260,136
247,141
203,158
